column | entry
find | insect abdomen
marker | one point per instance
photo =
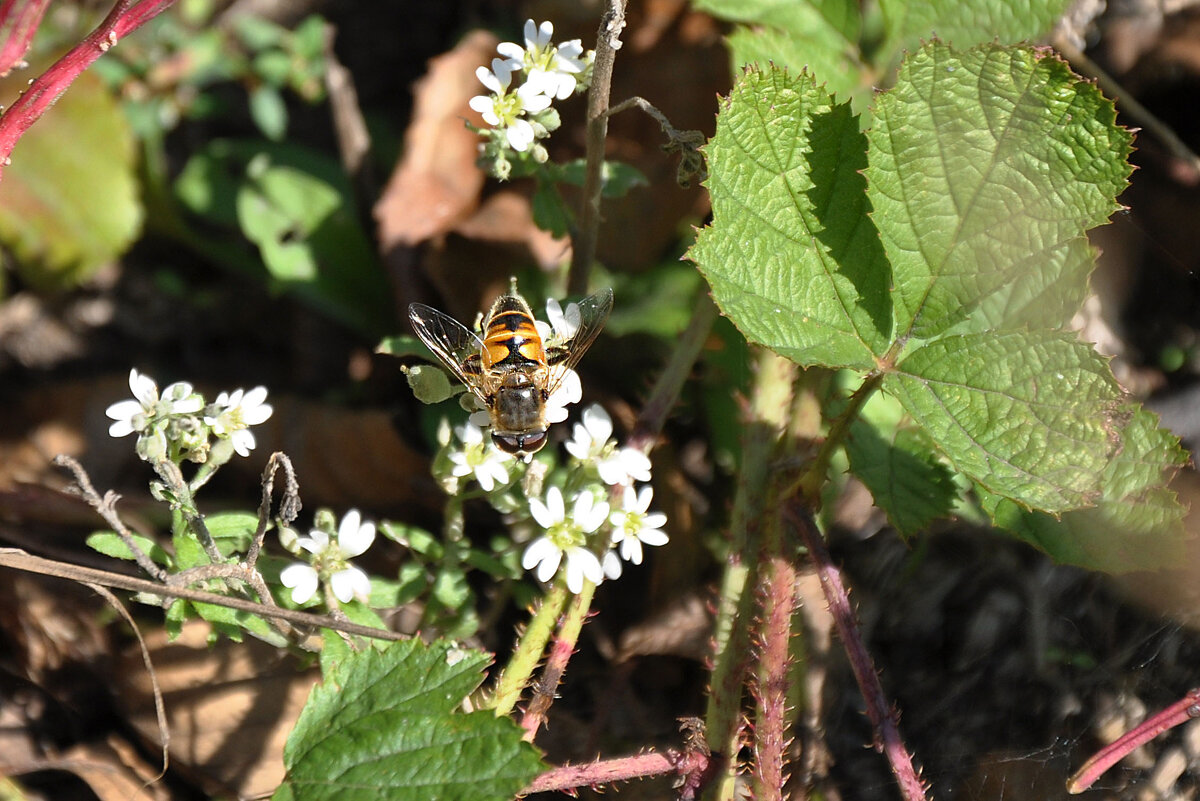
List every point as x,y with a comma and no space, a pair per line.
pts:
512,339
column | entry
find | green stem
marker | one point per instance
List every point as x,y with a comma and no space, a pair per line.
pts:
530,647
770,402
556,662
813,479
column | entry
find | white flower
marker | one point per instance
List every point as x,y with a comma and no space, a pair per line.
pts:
611,563
592,442
564,322
479,457
504,110
566,536
330,562
553,69
232,415
591,436
624,466
634,526
568,391
147,407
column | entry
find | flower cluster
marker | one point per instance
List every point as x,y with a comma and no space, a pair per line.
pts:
520,114
630,525
178,424
329,560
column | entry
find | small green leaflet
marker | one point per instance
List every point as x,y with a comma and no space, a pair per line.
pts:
383,726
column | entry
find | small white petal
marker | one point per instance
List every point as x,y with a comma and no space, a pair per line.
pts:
481,418
349,584
520,135
597,422
121,428
652,536
143,387
354,536
316,541
243,441
302,579
631,550
581,564
611,564
511,50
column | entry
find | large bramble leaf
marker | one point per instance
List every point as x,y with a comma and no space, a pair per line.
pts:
383,726
1028,415
791,256
982,164
964,23
1137,523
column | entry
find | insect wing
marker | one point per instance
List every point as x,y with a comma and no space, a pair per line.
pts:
593,313
451,342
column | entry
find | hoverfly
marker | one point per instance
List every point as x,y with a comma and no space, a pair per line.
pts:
511,370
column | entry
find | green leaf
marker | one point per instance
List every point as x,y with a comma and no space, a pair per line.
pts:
790,255
1137,524
110,544
983,162
382,726
297,205
1027,415
894,460
550,212
70,199
965,23
269,112
232,531
821,36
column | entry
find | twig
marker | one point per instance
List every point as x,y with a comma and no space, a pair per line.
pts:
1183,710
671,380
106,508
126,16
880,713
608,41
160,711
530,645
778,597
686,143
20,560
19,21
289,504
353,138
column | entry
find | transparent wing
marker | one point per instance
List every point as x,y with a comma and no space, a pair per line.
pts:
451,341
563,356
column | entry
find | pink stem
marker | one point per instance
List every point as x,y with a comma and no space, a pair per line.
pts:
125,17
1181,711
19,20
879,711
779,587
693,766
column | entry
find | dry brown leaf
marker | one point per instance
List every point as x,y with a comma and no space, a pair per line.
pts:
437,183
230,707
114,771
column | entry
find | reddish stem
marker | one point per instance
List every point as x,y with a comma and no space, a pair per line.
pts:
1181,711
125,17
19,20
546,686
879,711
692,766
779,592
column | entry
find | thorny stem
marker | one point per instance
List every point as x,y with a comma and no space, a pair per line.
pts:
671,380
556,662
879,711
693,766
106,508
185,503
126,16
19,21
770,400
608,41
1183,710
530,646
778,589
20,560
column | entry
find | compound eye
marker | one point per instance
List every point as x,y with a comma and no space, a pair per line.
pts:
507,443
532,443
